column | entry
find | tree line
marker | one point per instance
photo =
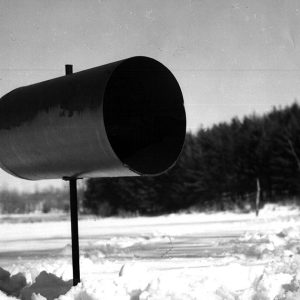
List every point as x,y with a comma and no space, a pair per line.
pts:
16,202
219,168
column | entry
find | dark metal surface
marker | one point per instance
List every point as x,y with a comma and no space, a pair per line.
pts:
122,119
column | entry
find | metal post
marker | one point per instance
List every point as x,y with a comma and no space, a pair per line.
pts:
69,69
74,215
74,230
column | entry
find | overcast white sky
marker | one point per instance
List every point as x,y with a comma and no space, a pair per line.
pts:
230,58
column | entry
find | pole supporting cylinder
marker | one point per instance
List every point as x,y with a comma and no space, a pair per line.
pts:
74,215
74,230
68,69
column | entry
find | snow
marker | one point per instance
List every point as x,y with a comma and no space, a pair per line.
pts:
180,256
48,285
11,284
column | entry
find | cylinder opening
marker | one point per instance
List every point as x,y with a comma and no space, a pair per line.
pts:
144,115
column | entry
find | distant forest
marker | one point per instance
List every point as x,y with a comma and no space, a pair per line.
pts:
220,168
15,202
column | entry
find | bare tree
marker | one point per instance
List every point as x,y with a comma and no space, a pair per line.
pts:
257,197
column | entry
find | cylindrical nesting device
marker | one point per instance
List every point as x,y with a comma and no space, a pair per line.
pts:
126,118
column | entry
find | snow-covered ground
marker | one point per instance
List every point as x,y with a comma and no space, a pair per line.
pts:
187,256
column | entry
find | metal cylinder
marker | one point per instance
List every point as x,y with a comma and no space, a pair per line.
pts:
126,118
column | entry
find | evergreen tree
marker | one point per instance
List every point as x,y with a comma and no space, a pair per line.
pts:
219,166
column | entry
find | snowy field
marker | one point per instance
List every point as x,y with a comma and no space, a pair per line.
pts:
187,256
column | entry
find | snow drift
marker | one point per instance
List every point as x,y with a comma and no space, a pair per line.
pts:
250,258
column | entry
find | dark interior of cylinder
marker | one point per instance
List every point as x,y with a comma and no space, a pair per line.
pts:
144,115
